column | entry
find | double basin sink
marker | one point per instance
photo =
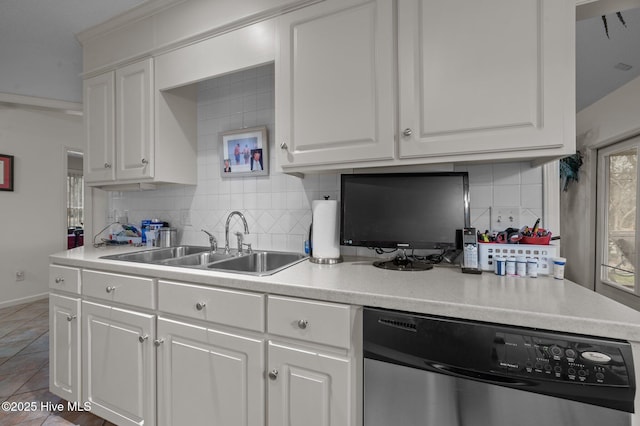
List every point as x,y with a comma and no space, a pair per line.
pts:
257,263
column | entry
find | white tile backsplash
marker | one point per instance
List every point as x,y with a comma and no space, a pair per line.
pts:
278,206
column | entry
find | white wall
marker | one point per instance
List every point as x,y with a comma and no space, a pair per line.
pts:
278,206
32,216
611,119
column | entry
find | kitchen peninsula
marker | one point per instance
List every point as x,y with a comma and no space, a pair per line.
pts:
307,314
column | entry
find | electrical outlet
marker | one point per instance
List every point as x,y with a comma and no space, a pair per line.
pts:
19,275
505,217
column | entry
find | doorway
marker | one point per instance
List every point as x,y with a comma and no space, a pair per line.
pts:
74,199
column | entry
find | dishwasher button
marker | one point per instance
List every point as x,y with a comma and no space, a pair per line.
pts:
597,357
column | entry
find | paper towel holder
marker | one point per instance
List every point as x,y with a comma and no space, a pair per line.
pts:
320,260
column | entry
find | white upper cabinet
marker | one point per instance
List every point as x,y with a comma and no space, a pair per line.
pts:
137,134
334,83
361,84
134,123
99,127
118,122
485,77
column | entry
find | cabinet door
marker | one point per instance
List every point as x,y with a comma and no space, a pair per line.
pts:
208,377
64,347
485,77
307,388
118,359
134,124
335,83
99,128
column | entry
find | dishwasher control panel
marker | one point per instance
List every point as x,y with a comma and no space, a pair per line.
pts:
593,370
580,360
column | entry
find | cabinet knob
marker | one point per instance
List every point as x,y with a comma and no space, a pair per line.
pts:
273,374
303,324
158,342
141,339
145,161
284,146
71,317
59,280
110,289
200,305
107,165
407,132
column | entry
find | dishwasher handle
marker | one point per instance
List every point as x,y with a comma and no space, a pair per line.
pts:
476,375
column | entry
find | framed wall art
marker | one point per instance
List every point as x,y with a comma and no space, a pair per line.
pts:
6,172
244,152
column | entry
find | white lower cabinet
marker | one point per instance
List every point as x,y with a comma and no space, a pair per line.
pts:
144,351
207,376
314,363
119,364
309,388
64,346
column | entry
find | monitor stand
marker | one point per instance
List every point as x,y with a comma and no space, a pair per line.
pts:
402,262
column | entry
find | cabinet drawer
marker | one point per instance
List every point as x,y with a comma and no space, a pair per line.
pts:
135,291
229,307
313,321
64,278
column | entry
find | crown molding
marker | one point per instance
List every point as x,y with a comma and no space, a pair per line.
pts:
21,101
146,9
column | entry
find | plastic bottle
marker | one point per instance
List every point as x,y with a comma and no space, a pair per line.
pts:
521,266
511,265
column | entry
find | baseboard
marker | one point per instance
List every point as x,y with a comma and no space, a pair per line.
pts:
24,300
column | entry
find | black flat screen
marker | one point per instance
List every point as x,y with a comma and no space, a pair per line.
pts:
403,210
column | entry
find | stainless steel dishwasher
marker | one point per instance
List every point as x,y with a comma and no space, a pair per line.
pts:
422,370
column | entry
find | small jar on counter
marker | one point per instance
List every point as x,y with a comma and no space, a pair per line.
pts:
500,264
511,265
521,266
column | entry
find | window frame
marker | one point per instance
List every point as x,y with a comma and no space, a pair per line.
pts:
629,297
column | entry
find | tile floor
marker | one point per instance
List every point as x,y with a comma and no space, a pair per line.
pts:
24,368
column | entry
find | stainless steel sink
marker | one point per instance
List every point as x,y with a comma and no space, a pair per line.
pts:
197,259
158,254
257,263
260,263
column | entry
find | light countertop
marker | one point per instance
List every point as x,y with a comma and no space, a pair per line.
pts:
541,302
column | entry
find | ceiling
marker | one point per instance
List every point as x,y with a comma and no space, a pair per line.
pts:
597,55
42,58
40,55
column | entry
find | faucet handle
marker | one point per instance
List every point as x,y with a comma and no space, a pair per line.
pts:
212,240
240,237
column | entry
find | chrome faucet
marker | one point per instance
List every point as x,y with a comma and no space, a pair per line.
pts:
212,241
226,230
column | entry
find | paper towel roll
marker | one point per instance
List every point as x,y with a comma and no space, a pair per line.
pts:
324,234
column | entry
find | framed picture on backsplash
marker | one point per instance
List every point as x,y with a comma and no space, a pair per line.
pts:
6,172
244,152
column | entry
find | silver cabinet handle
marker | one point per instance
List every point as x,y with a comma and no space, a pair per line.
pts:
158,342
141,339
284,146
110,289
107,165
273,374
200,305
145,161
303,324
407,132
59,280
71,317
